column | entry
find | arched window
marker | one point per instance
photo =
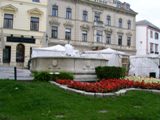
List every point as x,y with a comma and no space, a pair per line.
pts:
68,13
120,23
20,49
129,24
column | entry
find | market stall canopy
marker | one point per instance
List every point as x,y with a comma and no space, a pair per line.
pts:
52,48
114,56
107,51
144,65
58,50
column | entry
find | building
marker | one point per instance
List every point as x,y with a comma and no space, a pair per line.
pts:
22,27
92,24
147,36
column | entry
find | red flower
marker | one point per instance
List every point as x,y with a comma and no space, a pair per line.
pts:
108,85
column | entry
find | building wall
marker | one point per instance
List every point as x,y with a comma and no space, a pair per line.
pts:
153,40
77,25
144,40
141,40
22,11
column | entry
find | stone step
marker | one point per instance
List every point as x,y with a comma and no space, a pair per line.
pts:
8,73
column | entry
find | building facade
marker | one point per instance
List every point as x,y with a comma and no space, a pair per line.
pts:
147,36
92,24
22,27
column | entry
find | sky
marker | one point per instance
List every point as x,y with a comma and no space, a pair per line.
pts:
146,9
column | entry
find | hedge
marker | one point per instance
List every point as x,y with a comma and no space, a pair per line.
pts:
47,76
108,72
41,76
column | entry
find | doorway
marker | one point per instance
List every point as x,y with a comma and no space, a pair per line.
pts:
20,55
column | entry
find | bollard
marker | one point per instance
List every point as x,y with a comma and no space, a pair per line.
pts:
15,73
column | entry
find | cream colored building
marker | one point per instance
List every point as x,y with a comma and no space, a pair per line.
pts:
92,24
22,27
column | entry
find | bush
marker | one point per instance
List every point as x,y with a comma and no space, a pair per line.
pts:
66,76
41,76
108,72
46,76
63,76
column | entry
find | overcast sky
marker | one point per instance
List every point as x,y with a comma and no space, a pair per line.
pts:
147,9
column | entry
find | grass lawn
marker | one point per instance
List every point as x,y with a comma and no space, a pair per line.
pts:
43,101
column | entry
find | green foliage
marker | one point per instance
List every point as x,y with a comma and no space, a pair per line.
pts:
46,76
63,76
108,72
41,76
66,75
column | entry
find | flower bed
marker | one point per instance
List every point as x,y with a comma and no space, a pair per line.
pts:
109,85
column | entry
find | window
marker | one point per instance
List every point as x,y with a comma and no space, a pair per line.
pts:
108,39
35,0
156,36
127,6
7,54
151,48
34,23
68,34
85,16
97,17
54,32
8,21
99,36
151,34
84,36
109,20
55,10
129,24
120,23
156,48
118,4
120,40
68,13
128,41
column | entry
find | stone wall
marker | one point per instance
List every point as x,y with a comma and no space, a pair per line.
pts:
83,68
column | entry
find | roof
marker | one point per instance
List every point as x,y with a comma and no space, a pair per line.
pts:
147,23
101,6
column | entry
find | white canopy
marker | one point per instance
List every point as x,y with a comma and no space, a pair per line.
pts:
107,51
53,48
114,56
144,65
58,50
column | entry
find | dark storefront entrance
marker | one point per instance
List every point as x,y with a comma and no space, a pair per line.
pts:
20,49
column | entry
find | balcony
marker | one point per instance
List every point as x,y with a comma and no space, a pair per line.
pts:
54,21
99,24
